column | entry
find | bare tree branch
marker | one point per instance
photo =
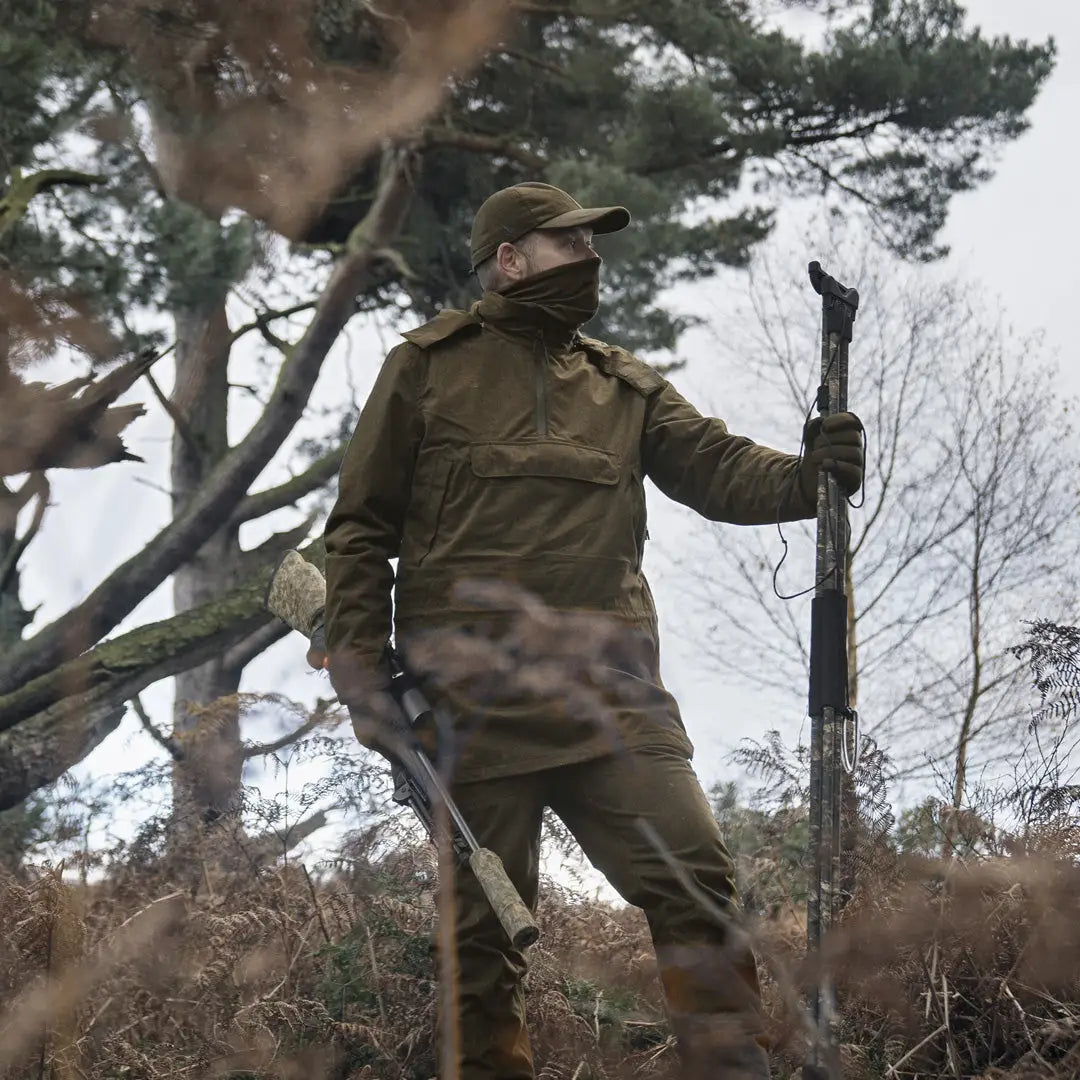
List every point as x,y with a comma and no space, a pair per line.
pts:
36,486
167,742
280,842
238,656
269,552
273,340
317,718
265,317
174,414
288,493
125,587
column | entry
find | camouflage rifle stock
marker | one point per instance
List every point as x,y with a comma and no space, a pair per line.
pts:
297,595
832,720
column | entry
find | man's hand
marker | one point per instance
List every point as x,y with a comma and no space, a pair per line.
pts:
362,689
377,725
316,654
833,443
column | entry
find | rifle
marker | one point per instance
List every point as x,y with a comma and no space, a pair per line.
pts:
831,716
297,594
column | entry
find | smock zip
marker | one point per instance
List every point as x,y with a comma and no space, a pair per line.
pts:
540,412
641,529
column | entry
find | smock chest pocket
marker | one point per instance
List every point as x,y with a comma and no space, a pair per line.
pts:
532,497
544,460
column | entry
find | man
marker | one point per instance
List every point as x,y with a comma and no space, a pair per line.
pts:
499,443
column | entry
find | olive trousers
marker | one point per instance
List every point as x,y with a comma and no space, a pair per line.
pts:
676,869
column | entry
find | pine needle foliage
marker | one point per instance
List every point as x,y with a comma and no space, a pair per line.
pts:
205,127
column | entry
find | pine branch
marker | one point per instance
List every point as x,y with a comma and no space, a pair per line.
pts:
24,189
828,132
495,145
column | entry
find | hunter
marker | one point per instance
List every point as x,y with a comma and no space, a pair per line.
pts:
499,443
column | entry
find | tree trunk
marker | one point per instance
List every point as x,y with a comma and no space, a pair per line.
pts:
13,616
13,619
207,782
975,686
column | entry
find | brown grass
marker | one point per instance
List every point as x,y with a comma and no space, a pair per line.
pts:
192,964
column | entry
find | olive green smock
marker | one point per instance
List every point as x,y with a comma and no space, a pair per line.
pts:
494,447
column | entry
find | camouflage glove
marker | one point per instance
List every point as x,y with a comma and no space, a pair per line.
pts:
833,443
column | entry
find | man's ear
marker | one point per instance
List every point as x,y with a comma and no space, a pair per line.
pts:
509,260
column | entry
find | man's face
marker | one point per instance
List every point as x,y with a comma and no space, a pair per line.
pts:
544,249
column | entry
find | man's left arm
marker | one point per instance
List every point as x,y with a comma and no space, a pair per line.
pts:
696,461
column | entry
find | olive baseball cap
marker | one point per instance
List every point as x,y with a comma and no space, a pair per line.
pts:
512,212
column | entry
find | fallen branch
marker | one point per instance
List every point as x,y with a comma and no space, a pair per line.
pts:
121,667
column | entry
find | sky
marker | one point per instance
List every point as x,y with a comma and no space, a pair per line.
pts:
1015,237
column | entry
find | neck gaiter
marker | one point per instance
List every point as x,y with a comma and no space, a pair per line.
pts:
568,295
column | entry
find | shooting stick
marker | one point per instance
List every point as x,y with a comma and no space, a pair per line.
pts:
832,721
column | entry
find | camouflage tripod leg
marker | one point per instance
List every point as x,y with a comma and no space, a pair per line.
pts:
828,705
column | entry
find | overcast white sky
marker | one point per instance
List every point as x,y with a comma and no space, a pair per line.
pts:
1017,236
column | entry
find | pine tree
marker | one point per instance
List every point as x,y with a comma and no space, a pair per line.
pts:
197,132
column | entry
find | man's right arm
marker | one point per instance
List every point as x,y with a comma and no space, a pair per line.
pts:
364,529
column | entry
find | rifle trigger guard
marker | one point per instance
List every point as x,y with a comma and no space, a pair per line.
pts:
850,762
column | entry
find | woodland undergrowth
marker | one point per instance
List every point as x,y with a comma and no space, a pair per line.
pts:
210,955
